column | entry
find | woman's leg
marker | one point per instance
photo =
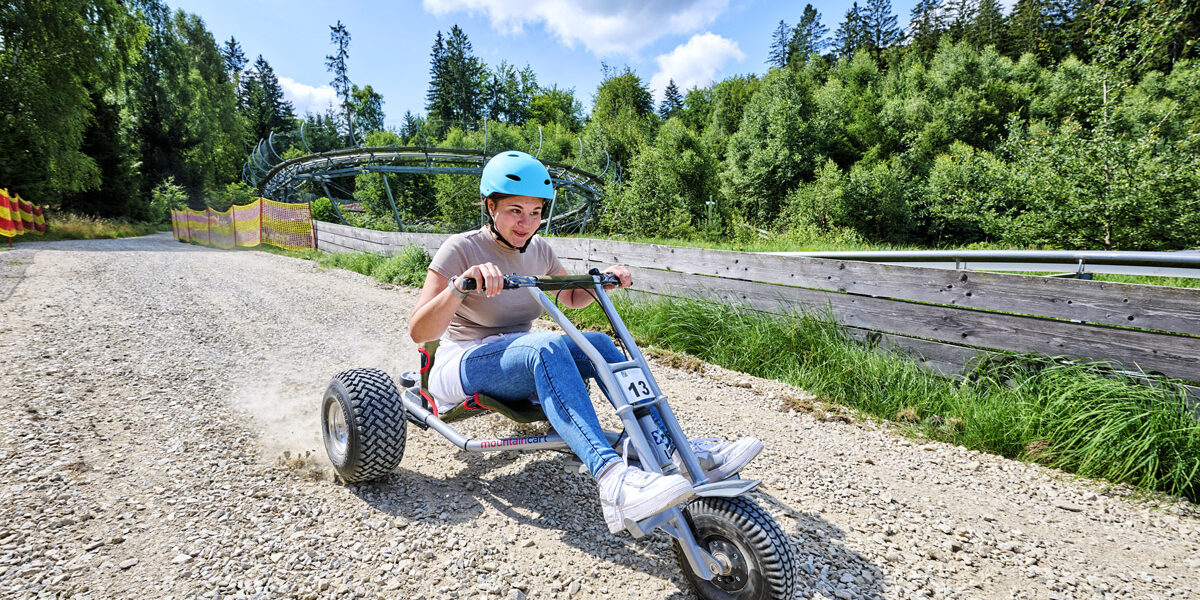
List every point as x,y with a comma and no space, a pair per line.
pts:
542,365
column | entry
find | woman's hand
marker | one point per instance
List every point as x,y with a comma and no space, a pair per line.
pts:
623,275
489,275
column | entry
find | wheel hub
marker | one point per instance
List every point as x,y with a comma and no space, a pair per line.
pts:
336,428
733,575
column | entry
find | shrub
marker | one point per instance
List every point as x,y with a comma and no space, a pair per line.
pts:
322,210
165,197
233,194
408,267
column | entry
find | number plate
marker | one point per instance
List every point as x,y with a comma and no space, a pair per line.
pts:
634,385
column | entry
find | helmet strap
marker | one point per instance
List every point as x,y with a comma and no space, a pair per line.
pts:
496,232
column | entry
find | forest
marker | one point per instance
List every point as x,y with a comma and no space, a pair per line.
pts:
1070,124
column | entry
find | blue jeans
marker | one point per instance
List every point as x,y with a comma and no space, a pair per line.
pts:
552,368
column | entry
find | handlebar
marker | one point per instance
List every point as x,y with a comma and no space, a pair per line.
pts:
551,282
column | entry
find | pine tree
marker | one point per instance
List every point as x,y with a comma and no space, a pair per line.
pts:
880,30
1030,30
925,27
235,59
960,14
465,78
808,38
851,34
780,51
266,110
335,63
437,98
672,101
988,26
410,126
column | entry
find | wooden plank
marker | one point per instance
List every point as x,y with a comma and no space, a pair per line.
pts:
1150,307
1174,356
942,358
574,248
395,239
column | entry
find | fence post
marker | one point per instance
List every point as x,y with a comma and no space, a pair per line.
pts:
312,226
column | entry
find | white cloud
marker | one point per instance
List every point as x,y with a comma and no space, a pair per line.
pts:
306,98
604,27
695,63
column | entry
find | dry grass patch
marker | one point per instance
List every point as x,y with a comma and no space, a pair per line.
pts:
676,360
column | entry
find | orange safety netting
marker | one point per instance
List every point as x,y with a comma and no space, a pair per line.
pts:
18,215
197,226
179,232
288,226
247,223
220,229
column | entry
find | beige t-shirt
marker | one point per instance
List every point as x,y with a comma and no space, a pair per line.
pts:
511,311
480,319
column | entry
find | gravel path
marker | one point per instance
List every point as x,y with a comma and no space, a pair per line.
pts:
151,390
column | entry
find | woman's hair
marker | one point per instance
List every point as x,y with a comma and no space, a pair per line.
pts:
496,197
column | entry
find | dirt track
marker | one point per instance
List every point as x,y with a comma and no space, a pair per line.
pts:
151,388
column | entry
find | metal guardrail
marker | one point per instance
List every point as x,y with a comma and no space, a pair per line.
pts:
1081,264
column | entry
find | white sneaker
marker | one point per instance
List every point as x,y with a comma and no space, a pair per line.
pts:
727,458
630,493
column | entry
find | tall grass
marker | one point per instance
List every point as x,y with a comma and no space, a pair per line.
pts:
1074,417
406,267
72,226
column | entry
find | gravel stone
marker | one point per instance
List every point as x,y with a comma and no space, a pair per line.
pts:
159,438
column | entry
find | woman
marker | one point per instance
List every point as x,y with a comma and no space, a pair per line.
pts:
487,346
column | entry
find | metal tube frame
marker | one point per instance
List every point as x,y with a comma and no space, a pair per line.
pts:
638,427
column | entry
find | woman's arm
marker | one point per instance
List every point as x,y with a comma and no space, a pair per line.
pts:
438,303
580,298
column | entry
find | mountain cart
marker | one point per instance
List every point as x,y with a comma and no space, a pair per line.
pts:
726,545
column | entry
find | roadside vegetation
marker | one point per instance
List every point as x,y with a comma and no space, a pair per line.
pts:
75,226
1080,418
404,268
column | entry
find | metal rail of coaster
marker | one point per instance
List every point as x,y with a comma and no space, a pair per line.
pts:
579,195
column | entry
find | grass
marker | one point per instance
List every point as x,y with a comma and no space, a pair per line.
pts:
1179,282
406,267
71,226
1077,418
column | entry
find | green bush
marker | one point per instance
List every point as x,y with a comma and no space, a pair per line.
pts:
233,194
408,267
165,197
669,184
322,210
359,262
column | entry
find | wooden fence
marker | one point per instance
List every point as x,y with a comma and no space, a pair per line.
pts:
944,318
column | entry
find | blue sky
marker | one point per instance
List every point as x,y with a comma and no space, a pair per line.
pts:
564,41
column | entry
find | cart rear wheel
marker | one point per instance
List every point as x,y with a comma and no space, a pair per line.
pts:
363,424
742,536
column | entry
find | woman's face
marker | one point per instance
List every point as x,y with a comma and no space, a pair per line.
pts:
517,218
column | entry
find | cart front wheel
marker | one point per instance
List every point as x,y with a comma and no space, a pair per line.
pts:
758,561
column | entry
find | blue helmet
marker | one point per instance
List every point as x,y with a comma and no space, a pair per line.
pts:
517,174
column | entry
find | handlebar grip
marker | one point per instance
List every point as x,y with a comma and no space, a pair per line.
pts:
468,284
